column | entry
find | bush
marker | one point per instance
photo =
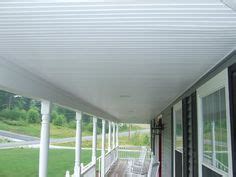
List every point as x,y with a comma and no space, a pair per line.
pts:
14,122
54,115
88,127
146,140
59,120
33,115
72,124
14,114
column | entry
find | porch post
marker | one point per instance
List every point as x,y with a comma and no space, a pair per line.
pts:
94,150
113,137
109,137
103,149
77,167
44,138
117,135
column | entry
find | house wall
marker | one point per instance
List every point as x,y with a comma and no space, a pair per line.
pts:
167,118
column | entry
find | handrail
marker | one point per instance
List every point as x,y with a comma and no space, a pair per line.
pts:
87,168
110,151
121,152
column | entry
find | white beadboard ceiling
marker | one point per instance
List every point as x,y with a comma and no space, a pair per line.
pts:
128,58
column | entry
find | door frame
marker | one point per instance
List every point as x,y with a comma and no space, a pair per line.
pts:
232,99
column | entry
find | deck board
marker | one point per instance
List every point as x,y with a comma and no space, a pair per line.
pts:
118,169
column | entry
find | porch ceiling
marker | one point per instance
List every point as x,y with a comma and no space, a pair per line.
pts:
130,59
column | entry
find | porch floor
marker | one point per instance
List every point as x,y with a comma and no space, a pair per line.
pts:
118,169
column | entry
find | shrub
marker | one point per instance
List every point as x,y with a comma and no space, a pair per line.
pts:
14,122
89,127
59,120
54,115
14,114
146,140
33,115
72,124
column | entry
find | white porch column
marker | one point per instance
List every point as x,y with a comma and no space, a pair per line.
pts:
77,167
103,149
109,137
117,135
113,137
94,148
44,138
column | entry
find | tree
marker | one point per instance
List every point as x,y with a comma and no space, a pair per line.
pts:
59,120
54,115
33,115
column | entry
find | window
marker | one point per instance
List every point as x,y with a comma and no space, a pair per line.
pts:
178,130
178,139
214,129
215,150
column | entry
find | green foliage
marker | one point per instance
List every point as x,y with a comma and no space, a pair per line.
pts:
14,122
33,115
54,115
69,115
88,127
13,114
146,140
136,139
72,124
59,120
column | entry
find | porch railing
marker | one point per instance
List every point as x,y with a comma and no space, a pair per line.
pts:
130,152
88,170
121,152
110,159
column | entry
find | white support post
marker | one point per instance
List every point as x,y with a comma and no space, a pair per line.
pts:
113,137
117,135
103,149
94,148
44,138
77,167
109,137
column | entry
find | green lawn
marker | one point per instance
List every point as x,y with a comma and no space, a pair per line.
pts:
55,131
34,130
137,139
24,162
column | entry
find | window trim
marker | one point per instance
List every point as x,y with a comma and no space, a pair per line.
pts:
176,107
216,83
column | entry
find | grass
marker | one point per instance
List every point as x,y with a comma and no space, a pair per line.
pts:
34,130
136,139
55,131
24,162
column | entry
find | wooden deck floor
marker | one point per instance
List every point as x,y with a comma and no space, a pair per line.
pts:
118,169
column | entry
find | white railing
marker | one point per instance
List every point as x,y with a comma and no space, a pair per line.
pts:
130,152
110,159
139,161
86,171
89,170
123,153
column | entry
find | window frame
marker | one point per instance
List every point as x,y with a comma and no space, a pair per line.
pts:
214,84
176,107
